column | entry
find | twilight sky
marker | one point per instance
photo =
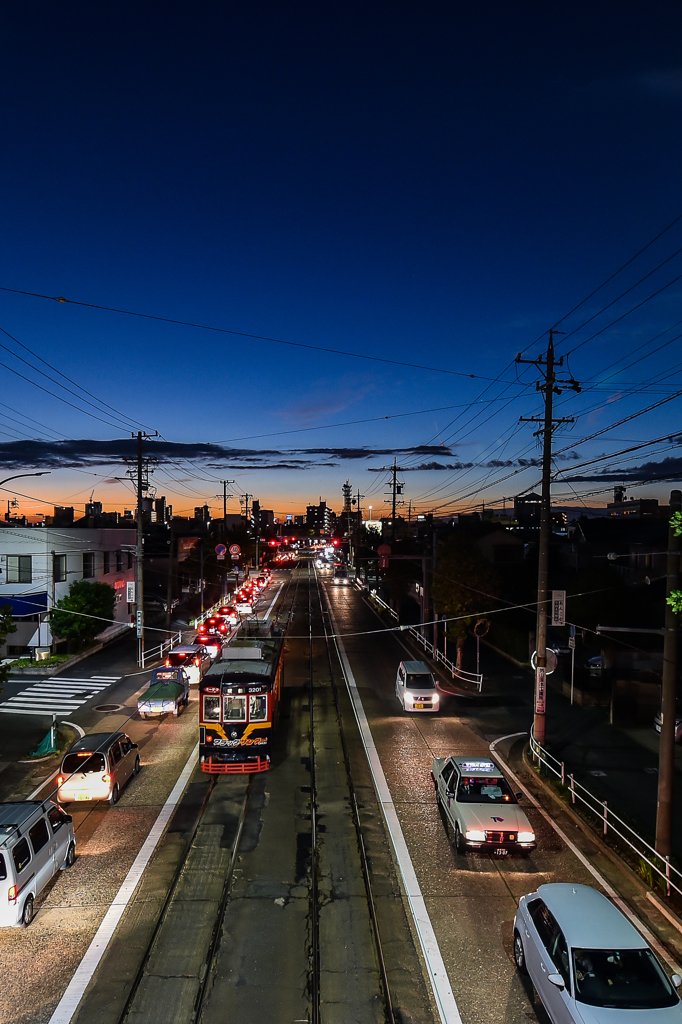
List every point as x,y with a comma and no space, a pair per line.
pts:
435,184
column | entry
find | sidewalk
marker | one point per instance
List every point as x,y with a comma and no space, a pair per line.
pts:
657,913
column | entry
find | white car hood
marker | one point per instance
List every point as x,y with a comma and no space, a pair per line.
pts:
494,817
604,1015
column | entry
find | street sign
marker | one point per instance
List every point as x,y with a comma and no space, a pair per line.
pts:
571,642
235,558
220,549
552,661
221,556
540,691
139,626
235,549
130,592
558,607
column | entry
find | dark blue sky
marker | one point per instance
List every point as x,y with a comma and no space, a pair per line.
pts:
434,183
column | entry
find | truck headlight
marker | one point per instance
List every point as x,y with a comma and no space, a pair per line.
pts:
474,835
526,837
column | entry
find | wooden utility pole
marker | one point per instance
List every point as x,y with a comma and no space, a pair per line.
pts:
548,387
666,755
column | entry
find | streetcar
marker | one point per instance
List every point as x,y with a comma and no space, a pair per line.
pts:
239,701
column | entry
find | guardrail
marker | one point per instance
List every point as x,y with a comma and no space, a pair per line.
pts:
476,678
610,820
158,653
207,614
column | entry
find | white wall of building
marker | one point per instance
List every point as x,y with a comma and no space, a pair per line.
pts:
109,558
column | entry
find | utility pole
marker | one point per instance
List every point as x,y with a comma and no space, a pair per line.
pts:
169,588
225,484
666,755
141,477
548,387
396,489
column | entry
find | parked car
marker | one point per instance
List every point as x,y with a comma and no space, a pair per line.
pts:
194,658
36,841
97,768
587,961
415,687
167,694
481,806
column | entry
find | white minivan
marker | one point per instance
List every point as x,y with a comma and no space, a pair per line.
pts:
416,688
36,841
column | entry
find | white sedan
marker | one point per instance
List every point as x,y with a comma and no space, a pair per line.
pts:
588,962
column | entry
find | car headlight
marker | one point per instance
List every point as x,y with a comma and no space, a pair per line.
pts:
475,835
409,698
526,837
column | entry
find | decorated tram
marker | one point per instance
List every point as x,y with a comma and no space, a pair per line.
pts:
240,700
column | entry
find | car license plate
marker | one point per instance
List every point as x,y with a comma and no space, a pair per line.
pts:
500,851
419,705
82,796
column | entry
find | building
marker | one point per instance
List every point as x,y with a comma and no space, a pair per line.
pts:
319,518
37,565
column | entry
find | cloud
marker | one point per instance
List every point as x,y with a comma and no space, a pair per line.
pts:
76,454
666,469
491,464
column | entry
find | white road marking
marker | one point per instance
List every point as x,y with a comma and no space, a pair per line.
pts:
68,1004
608,888
272,605
53,696
440,983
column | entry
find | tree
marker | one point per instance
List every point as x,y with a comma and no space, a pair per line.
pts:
463,585
7,626
675,599
95,599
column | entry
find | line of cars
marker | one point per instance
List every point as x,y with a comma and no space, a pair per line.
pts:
37,838
586,961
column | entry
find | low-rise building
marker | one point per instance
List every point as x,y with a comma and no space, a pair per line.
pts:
38,564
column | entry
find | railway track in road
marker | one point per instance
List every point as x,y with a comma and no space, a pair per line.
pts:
275,892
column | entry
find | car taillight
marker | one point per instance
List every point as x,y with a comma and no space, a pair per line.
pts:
167,663
60,779
106,778
12,893
197,661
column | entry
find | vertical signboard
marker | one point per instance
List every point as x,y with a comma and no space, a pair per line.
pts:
558,607
540,682
130,592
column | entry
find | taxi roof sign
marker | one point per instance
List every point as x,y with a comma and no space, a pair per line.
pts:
477,766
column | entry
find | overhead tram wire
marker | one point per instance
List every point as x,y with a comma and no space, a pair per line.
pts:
69,379
244,334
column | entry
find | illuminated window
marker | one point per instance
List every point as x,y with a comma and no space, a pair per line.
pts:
258,708
234,709
211,709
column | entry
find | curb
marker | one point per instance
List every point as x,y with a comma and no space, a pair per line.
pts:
52,670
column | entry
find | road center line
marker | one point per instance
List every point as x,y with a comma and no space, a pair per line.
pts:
440,983
68,1004
610,891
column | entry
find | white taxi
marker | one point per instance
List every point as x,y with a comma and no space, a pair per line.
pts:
481,806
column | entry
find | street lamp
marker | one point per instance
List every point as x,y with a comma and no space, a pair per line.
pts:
43,472
370,513
7,479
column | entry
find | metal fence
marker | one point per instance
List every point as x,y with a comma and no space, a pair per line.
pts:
476,678
158,653
611,822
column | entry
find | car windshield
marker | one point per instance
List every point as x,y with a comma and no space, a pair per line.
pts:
424,681
624,979
491,790
83,762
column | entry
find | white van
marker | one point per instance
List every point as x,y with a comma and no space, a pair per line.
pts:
416,688
36,841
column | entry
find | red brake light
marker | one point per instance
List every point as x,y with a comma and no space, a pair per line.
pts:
106,778
12,893
209,739
197,661
60,780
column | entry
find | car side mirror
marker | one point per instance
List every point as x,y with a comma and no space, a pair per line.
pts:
68,820
557,980
135,746
519,796
676,980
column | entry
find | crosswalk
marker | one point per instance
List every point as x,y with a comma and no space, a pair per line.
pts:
54,695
